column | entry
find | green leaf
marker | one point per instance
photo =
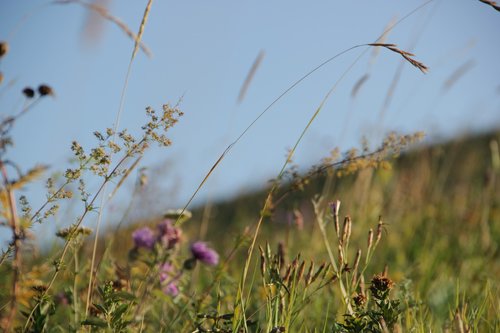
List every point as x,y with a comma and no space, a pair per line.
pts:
119,311
125,296
95,321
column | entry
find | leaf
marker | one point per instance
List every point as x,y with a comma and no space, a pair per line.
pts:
125,296
119,312
95,321
101,308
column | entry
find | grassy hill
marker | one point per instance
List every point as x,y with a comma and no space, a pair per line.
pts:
440,234
414,248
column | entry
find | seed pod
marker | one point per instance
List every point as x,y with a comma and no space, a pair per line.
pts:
309,275
28,92
262,262
45,90
287,274
341,257
356,261
301,270
318,272
346,233
4,49
370,239
379,229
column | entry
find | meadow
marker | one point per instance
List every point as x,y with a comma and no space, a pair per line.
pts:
398,236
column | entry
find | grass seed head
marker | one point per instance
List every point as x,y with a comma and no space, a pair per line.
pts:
356,261
492,4
301,270
406,55
370,239
309,275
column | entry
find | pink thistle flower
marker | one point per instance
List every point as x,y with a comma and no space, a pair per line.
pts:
167,282
203,253
144,237
169,235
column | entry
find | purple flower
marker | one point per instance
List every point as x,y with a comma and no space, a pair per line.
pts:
335,207
144,237
62,298
167,282
169,235
206,255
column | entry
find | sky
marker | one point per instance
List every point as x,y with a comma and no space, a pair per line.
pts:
202,53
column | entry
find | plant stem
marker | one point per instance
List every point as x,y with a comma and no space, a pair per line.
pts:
16,243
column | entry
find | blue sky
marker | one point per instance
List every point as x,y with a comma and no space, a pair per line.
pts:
203,50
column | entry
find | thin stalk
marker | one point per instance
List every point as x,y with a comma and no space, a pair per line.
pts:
120,111
16,242
75,288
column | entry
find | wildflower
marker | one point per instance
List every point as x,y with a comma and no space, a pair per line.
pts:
144,237
62,298
168,284
169,235
335,207
206,255
381,285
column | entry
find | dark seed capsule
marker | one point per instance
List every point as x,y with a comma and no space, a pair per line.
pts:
28,92
45,90
4,48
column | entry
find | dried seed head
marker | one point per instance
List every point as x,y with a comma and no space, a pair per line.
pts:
73,231
346,230
262,262
301,270
381,283
287,274
379,229
40,288
492,4
356,261
406,55
359,300
4,48
45,90
318,272
1,77
370,239
28,92
309,275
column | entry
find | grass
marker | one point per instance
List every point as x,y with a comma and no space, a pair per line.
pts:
367,241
